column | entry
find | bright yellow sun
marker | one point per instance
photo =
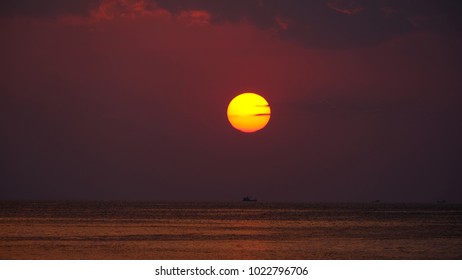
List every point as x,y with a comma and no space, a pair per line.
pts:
248,112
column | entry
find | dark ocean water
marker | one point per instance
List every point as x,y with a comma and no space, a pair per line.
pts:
153,230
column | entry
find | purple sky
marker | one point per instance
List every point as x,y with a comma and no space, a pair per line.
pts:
127,100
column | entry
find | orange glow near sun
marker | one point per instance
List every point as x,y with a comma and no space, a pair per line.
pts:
248,112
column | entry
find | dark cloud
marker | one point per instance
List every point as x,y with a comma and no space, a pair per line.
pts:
45,7
332,23
321,23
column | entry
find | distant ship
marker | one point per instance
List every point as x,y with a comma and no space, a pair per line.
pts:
249,199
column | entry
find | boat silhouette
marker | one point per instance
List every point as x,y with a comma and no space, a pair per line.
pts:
249,199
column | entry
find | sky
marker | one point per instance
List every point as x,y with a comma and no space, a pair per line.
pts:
127,99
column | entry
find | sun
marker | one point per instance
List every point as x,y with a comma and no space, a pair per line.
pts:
248,112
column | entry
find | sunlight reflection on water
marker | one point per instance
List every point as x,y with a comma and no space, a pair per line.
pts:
148,230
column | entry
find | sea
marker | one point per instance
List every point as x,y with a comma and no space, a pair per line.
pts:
54,230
